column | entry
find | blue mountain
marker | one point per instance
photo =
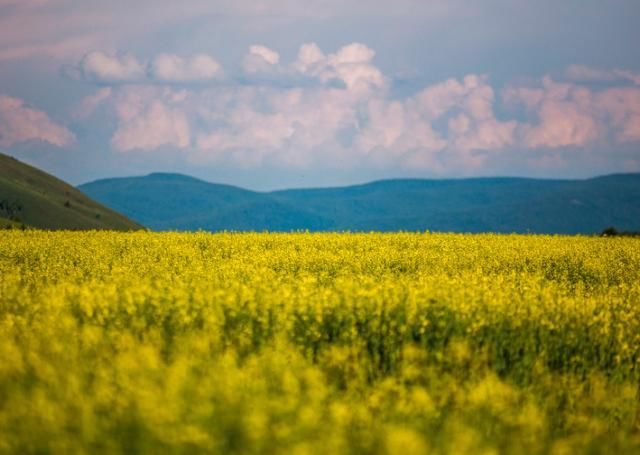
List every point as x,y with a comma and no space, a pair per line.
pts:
163,201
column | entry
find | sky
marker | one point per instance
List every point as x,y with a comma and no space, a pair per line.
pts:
285,93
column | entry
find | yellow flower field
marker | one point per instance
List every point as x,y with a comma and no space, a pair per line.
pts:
318,343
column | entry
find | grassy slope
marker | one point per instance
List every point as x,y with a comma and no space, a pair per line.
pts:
40,200
6,223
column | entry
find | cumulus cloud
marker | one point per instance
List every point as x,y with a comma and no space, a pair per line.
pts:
172,68
310,59
148,119
351,64
621,106
356,121
105,68
441,126
260,59
564,113
562,123
571,115
20,123
303,126
100,67
290,126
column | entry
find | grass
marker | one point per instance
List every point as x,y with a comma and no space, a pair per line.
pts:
35,198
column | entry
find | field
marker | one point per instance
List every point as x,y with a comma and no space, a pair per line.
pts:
318,343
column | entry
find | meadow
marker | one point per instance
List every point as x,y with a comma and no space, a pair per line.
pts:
318,343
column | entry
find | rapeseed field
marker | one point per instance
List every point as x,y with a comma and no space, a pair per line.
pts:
304,343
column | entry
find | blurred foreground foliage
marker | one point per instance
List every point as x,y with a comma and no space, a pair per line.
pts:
318,343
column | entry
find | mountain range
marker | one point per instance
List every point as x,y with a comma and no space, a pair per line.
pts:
163,201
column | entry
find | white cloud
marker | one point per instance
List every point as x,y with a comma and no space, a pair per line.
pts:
571,115
20,123
407,131
564,115
351,64
318,124
104,68
289,126
101,67
310,59
148,118
622,108
172,68
260,58
561,124
310,125
582,73
447,125
586,73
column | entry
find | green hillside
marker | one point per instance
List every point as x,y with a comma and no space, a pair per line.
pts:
34,198
6,223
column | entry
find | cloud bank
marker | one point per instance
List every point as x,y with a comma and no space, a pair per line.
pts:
104,68
336,109
571,115
582,73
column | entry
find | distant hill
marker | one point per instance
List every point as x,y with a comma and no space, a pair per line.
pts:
31,197
173,201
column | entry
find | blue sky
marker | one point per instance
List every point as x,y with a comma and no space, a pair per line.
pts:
273,94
